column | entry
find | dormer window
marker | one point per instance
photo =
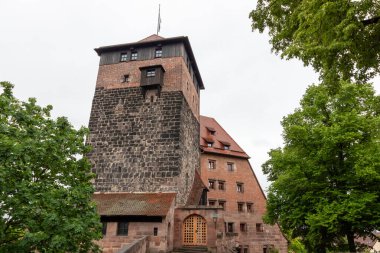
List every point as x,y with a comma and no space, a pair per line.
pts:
123,57
209,144
211,130
134,56
226,145
158,53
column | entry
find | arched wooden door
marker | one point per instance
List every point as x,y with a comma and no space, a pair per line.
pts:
194,230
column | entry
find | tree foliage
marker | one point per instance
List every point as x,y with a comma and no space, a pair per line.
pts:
339,38
326,178
45,188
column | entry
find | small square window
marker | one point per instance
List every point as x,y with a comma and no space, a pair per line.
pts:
151,72
211,164
222,204
123,56
155,231
240,187
243,227
125,79
211,184
259,227
158,53
122,228
134,56
221,185
230,167
249,207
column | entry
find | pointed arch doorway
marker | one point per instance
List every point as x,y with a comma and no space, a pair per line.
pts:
194,231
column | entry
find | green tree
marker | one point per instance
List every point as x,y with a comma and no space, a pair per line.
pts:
45,188
339,38
326,178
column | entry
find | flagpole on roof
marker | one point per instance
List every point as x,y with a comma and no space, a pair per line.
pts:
159,19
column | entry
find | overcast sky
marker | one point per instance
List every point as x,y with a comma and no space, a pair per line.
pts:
46,50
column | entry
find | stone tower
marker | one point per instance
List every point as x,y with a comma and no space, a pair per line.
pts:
144,123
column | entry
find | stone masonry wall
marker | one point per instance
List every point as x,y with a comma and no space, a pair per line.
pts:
140,145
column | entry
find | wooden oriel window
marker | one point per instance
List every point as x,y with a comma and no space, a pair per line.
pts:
150,72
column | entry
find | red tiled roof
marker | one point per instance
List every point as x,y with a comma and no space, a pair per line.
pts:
140,204
219,139
152,38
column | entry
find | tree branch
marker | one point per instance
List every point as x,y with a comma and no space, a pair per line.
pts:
371,21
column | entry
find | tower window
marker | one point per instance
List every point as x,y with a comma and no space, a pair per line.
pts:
158,53
134,56
155,231
211,164
122,228
151,72
123,56
125,79
240,207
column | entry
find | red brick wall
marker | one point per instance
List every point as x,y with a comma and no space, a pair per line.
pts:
176,77
252,193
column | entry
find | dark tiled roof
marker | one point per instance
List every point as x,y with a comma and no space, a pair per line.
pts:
140,204
219,138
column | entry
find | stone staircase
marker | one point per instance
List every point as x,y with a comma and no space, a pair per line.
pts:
191,249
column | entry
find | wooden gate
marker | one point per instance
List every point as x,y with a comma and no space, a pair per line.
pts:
194,230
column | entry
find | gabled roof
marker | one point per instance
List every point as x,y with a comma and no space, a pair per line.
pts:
133,204
219,138
152,37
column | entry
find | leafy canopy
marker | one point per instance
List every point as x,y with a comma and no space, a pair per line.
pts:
339,38
326,178
45,187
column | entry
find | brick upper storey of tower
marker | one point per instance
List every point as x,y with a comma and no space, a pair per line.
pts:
214,139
